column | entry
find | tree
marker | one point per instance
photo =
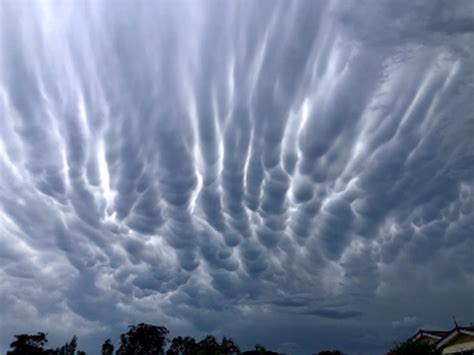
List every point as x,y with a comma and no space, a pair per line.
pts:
228,347
259,350
208,346
331,352
28,344
411,347
143,339
182,346
68,348
190,345
107,348
176,347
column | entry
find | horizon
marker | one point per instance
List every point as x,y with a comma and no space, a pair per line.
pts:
296,174
115,340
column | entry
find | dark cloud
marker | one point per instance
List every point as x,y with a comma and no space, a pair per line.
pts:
237,167
334,314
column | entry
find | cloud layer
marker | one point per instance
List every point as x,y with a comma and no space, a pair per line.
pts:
278,171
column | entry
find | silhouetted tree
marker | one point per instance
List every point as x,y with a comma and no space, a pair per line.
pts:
143,339
208,346
259,350
176,347
182,346
190,345
28,344
68,348
228,347
107,348
410,347
331,352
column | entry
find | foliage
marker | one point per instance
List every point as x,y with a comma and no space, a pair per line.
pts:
33,345
208,345
182,346
259,350
107,348
410,347
143,339
28,344
228,347
68,348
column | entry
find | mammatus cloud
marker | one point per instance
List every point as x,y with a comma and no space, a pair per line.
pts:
272,170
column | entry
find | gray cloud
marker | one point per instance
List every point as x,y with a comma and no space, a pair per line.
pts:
236,166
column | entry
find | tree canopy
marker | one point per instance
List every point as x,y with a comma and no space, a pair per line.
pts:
34,345
107,347
410,347
28,344
141,339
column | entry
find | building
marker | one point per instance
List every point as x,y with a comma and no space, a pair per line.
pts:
459,341
429,336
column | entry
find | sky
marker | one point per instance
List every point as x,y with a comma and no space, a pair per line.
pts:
296,174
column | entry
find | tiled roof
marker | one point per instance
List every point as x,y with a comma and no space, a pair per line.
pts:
453,333
436,333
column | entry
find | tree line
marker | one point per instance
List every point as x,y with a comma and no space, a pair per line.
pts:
147,339
141,339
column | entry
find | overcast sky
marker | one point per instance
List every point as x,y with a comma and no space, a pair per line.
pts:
293,173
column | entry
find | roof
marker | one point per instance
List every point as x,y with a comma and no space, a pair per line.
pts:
441,337
453,334
437,333
434,334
